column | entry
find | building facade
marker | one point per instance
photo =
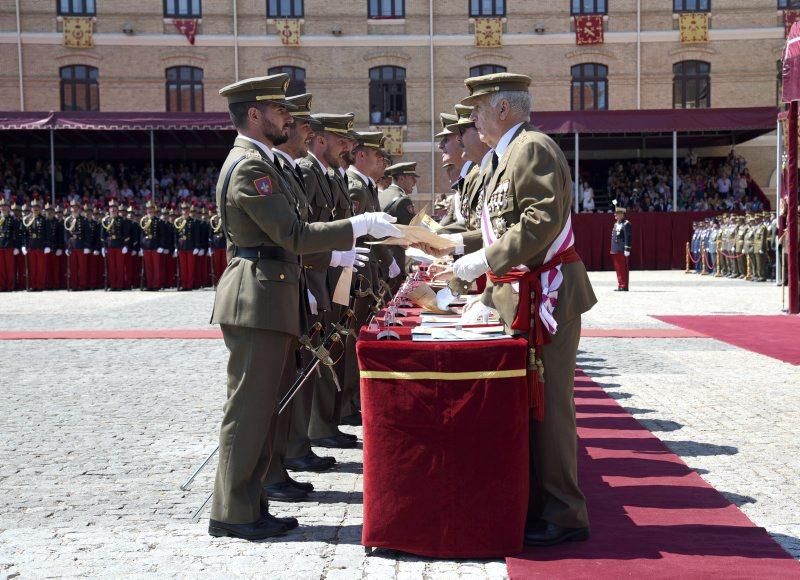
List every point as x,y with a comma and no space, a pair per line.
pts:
392,61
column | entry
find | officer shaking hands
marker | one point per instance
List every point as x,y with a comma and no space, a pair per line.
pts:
260,300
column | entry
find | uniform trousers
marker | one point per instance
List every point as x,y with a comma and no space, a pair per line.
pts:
555,496
186,265
279,435
37,269
621,267
220,261
8,271
257,357
78,270
115,264
20,269
326,402
51,271
152,269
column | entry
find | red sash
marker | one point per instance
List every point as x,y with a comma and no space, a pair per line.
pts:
527,319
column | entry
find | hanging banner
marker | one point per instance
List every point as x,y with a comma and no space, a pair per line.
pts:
187,27
489,32
694,27
78,32
289,31
791,66
589,29
393,139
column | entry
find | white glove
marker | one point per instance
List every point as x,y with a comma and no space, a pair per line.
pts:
376,224
476,312
124,250
160,251
141,253
458,240
24,251
471,266
47,250
59,252
96,253
103,251
175,253
312,302
86,250
68,252
394,269
355,258
16,252
627,253
195,252
201,253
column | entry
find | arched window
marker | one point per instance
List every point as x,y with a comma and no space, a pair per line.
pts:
184,89
387,95
589,87
691,85
486,69
691,5
297,76
79,88
482,8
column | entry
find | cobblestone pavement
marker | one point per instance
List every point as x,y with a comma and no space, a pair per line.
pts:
98,435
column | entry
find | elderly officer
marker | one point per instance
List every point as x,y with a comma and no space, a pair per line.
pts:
538,285
258,299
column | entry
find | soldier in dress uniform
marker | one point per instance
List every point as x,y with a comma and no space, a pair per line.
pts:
185,232
169,258
116,246
621,242
738,249
9,226
78,247
96,260
258,299
53,234
528,202
404,180
37,246
150,227
219,258
201,278
328,200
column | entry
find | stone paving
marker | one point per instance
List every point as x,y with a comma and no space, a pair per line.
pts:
99,434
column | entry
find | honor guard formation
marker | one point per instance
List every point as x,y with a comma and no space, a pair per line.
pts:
736,246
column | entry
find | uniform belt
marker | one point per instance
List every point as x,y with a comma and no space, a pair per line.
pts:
266,253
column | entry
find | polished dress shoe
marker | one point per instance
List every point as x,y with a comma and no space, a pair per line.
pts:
262,529
284,491
309,462
290,523
306,487
348,435
353,420
551,534
335,442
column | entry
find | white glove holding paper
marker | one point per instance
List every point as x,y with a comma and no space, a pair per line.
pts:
376,224
312,303
354,258
458,240
394,269
471,266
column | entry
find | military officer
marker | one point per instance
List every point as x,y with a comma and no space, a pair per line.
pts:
185,243
9,226
404,180
116,245
528,202
150,241
258,299
38,245
621,242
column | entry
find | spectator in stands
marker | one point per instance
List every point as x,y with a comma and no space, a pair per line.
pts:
587,198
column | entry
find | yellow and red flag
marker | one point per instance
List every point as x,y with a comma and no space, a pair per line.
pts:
78,32
694,27
489,32
289,31
589,29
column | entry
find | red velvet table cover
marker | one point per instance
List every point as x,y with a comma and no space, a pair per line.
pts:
445,461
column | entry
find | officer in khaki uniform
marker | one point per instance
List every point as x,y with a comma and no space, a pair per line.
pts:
528,200
258,299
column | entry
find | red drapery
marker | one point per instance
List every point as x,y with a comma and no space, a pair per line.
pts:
659,239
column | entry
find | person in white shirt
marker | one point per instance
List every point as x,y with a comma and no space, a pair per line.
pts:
587,198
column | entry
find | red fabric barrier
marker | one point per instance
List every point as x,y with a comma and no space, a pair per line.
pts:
659,239
445,461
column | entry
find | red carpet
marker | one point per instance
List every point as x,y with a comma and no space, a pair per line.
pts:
639,333
774,336
132,334
651,516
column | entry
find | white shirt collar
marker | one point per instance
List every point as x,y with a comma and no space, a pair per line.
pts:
321,164
465,169
487,159
342,171
505,141
270,155
286,156
364,178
